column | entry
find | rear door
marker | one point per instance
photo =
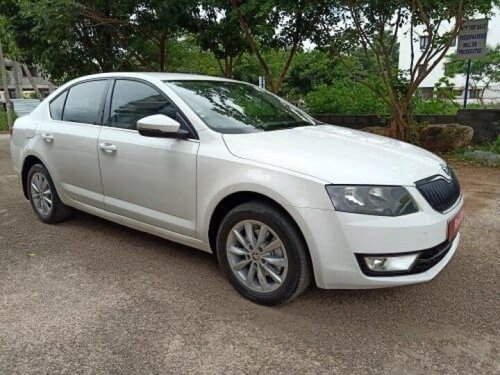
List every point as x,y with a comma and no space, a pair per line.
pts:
69,143
152,180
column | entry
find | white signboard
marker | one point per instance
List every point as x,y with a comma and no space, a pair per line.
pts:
472,39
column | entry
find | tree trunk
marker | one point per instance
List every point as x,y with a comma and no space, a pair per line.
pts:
228,67
5,81
161,46
398,126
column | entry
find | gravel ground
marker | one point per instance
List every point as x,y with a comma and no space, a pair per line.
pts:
89,296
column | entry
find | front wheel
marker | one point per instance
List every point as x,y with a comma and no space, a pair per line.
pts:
262,254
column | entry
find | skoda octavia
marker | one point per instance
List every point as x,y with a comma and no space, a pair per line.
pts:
226,167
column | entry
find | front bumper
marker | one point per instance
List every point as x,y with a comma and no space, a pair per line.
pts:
334,238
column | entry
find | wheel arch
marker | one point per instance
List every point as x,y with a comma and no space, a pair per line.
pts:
235,199
28,162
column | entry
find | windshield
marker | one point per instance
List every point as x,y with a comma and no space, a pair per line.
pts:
232,107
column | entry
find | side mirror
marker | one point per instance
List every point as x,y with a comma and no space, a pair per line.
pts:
160,126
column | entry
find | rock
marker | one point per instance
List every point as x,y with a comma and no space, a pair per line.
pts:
445,137
487,157
380,130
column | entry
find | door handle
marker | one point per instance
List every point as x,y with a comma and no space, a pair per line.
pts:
47,137
107,147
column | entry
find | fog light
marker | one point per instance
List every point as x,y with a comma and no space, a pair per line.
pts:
391,262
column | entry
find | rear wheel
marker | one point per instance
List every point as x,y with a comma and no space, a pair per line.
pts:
262,254
43,196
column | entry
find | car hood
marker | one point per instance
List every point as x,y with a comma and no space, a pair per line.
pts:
338,155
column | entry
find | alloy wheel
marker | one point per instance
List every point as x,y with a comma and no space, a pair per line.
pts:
257,256
41,193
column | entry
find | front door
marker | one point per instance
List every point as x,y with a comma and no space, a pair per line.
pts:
152,180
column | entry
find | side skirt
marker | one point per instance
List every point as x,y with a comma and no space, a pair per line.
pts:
151,229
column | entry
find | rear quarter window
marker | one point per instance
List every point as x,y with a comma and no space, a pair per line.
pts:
56,106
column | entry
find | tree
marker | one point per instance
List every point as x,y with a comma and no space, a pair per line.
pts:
156,22
186,56
483,70
219,33
74,37
375,26
67,43
279,24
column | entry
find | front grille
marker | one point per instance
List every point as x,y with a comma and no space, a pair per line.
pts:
440,192
426,260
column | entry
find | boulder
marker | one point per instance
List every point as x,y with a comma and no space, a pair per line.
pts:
445,137
379,130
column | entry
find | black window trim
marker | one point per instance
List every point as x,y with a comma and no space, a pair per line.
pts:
65,92
193,135
101,105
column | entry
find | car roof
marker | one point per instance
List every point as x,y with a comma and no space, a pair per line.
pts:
159,76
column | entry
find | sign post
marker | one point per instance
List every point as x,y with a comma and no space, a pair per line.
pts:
466,92
472,45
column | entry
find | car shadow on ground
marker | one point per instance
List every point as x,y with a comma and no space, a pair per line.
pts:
205,270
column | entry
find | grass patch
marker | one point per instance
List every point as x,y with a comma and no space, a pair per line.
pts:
4,126
482,154
3,121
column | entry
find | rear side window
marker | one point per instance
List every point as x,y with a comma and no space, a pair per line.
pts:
84,101
56,106
134,100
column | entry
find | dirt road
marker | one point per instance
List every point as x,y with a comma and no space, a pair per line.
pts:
89,296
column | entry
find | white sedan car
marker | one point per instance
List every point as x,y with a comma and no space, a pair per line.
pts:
229,168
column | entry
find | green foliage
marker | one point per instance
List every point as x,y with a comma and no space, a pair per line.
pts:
315,68
186,56
345,97
10,35
3,121
219,32
467,153
281,25
433,106
4,126
495,146
69,44
249,69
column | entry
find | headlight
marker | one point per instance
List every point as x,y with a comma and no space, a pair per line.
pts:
372,200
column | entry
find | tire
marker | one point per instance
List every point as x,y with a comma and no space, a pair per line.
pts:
54,212
288,260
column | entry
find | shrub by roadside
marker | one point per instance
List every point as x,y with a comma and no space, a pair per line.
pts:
485,154
3,121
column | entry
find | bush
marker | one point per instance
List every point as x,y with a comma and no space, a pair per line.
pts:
345,97
487,153
434,107
3,121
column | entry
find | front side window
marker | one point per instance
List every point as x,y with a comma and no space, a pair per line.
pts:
233,107
134,100
56,106
84,101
